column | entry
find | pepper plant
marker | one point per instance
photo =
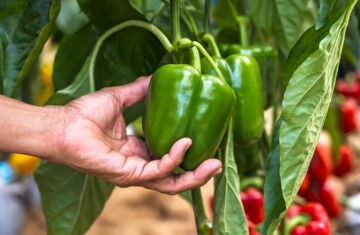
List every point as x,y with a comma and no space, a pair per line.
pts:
235,58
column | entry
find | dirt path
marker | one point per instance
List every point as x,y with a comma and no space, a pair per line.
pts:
137,211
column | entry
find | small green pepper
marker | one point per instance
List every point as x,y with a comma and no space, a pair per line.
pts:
242,74
267,57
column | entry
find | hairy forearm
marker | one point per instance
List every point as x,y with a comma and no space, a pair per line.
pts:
29,129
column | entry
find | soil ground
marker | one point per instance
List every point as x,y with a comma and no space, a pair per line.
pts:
136,211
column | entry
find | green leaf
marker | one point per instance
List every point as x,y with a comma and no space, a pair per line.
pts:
229,215
352,46
305,105
70,18
71,200
71,55
274,203
226,11
324,11
282,19
157,12
310,43
120,60
308,96
25,26
80,86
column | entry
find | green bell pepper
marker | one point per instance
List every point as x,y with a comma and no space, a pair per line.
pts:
267,57
243,75
181,102
247,158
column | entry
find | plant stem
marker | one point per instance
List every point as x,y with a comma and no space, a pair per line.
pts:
130,23
207,27
232,9
203,225
242,22
175,20
208,57
297,220
191,19
209,39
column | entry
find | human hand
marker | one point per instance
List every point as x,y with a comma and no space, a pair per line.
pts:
94,141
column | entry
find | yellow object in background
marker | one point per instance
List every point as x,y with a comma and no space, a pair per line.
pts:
47,88
23,164
45,71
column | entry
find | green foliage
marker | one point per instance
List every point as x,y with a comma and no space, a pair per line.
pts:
70,18
71,55
324,11
71,200
229,215
332,126
25,26
307,99
305,105
274,203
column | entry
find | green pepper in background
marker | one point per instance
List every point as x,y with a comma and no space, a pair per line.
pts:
183,103
267,57
243,75
247,158
265,54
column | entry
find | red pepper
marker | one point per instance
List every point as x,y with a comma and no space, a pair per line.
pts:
348,89
305,185
253,202
348,115
346,161
327,197
321,165
319,223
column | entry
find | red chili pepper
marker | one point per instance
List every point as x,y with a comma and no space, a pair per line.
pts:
321,164
346,161
319,223
305,185
348,115
253,202
348,89
327,197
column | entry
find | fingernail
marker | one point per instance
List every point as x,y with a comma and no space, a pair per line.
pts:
218,171
188,144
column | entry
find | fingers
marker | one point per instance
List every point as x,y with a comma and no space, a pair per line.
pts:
174,184
134,92
163,167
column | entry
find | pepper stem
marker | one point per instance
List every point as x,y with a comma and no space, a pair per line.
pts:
242,22
207,28
295,221
209,39
208,57
130,23
195,58
203,225
175,20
